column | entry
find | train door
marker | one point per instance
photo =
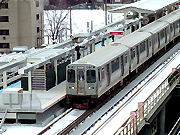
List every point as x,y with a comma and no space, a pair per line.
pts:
171,31
122,65
158,40
137,54
179,25
81,82
165,35
176,27
150,46
108,75
147,47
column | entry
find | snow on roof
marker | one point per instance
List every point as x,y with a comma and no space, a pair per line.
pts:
20,48
144,6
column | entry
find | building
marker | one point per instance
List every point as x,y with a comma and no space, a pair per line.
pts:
21,24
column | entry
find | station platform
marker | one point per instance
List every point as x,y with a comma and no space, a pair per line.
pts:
38,106
52,96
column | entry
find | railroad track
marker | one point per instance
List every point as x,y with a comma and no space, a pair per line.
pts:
48,127
149,78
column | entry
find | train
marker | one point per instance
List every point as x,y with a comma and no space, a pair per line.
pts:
93,76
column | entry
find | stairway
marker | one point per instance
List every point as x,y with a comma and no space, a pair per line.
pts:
2,117
38,79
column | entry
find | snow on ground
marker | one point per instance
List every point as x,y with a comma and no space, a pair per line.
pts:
33,130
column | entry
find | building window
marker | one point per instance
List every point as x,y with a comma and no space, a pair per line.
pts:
37,29
37,3
37,17
4,18
4,45
4,5
4,32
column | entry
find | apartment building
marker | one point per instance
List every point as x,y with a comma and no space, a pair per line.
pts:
21,24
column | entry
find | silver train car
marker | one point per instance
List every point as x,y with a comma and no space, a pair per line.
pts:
91,77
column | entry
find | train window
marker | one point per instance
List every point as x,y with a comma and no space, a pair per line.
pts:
156,38
142,47
115,65
81,75
126,58
91,76
149,41
171,27
132,53
71,76
102,73
162,33
177,24
99,74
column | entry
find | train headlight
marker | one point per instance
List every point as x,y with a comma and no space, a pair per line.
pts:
73,87
89,87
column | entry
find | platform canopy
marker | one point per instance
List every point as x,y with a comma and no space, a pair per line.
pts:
145,6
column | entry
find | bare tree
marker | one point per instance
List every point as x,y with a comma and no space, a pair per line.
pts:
56,21
3,2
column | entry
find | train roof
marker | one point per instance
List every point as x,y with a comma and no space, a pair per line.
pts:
103,55
133,39
171,17
154,27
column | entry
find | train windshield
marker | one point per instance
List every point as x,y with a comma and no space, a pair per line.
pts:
91,76
71,76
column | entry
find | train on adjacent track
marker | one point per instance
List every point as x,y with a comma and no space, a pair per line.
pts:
91,77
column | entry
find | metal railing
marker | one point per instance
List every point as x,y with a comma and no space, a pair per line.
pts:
175,128
24,101
132,123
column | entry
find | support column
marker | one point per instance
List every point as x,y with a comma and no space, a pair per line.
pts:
93,47
4,80
83,52
156,16
55,67
139,20
74,56
130,29
29,82
125,29
162,121
107,40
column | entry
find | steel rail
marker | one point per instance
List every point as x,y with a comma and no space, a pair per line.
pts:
48,127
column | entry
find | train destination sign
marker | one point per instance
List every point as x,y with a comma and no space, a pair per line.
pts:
117,33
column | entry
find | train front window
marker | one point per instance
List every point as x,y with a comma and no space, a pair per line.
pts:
71,76
81,75
91,76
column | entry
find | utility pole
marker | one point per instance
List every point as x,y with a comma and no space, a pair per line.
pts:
105,9
70,23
